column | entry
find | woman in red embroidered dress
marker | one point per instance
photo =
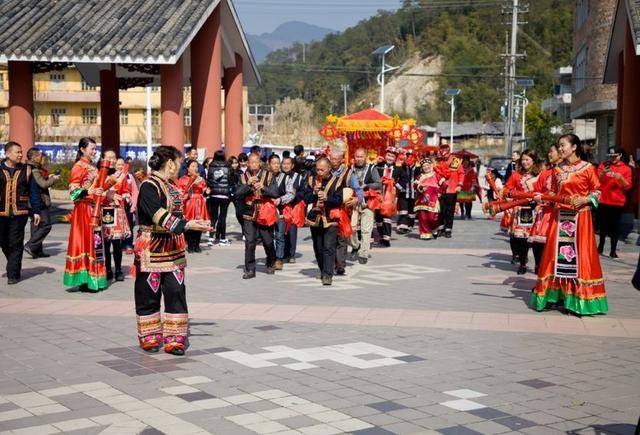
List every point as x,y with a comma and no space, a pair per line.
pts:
522,181
427,207
114,216
195,204
570,268
544,210
83,268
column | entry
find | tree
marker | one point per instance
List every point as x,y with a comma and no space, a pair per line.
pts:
540,129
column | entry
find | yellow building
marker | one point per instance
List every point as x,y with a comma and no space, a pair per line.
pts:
66,108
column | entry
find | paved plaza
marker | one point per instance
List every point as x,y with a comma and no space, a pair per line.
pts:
429,337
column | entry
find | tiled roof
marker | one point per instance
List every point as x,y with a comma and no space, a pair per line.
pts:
474,128
99,30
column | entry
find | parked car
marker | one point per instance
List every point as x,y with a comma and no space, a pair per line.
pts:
499,164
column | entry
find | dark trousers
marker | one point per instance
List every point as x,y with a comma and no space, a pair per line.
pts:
520,247
12,243
280,238
609,219
218,208
383,225
39,233
324,247
148,300
116,244
406,214
538,249
447,210
251,232
291,242
465,209
193,239
127,243
237,205
341,252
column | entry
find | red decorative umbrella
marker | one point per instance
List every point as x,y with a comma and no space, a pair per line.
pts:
464,153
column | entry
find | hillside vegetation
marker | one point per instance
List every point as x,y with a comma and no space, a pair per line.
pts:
467,40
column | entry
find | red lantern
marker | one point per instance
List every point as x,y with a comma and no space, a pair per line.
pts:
329,132
396,133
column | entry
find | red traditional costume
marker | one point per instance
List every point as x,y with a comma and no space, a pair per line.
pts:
428,188
83,266
195,204
450,168
523,216
470,186
114,209
544,211
570,268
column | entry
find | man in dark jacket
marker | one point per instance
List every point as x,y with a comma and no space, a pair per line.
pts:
255,185
19,195
388,169
44,181
219,191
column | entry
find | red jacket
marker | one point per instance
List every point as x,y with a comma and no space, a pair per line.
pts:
452,171
613,188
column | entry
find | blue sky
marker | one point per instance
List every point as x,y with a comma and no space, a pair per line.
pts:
259,16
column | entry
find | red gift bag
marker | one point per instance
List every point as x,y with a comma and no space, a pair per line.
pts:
388,205
344,221
294,216
267,213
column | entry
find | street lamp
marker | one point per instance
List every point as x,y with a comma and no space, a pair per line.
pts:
452,93
524,83
382,51
345,89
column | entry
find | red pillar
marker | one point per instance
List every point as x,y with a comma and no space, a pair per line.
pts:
109,110
171,104
233,126
620,102
21,128
630,122
206,84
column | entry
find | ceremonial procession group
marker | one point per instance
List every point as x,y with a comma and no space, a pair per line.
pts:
342,198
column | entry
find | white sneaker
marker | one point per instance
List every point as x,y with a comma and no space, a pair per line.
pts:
224,242
210,242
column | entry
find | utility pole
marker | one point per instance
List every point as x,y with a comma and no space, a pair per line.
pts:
345,89
512,56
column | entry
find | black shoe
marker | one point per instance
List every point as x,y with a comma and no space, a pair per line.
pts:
340,271
514,259
536,270
119,275
326,280
249,275
30,252
291,260
270,270
354,255
613,255
43,255
385,243
12,281
109,275
447,234
522,270
363,260
197,249
190,250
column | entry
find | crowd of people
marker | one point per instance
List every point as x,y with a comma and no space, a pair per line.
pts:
547,206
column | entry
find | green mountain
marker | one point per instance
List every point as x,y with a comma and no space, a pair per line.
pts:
467,35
